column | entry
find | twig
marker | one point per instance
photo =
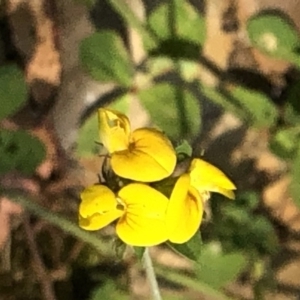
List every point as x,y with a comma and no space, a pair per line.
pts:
151,275
5,255
38,265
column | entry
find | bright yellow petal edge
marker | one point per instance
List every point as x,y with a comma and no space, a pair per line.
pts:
141,211
98,208
114,130
143,223
150,157
206,177
185,211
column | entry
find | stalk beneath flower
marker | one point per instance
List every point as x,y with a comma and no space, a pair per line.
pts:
151,275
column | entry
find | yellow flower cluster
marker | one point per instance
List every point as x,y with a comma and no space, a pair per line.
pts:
145,215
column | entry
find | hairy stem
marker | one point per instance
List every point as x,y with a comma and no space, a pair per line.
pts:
151,275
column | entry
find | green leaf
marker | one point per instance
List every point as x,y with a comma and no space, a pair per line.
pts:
105,57
295,184
249,200
122,103
13,92
184,148
172,109
273,33
250,106
87,138
265,235
134,21
189,70
220,97
158,65
190,249
261,111
292,106
166,185
217,269
284,142
236,214
20,151
189,24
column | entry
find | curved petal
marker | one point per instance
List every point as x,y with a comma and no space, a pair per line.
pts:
142,232
96,199
184,212
149,158
227,193
206,177
98,221
98,207
114,130
143,223
142,200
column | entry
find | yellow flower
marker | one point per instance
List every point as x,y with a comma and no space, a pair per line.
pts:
141,211
144,155
208,178
185,211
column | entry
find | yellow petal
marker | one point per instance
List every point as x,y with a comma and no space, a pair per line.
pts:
206,177
184,212
96,199
143,223
150,157
98,207
114,130
227,193
98,221
141,232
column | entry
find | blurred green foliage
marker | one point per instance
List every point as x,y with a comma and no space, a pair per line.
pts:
240,226
274,34
13,92
175,110
292,108
87,143
261,112
191,249
216,268
177,20
19,150
112,63
240,237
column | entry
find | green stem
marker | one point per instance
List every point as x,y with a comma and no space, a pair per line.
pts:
151,275
185,281
58,221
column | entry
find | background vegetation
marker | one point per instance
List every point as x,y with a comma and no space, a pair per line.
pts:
159,71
